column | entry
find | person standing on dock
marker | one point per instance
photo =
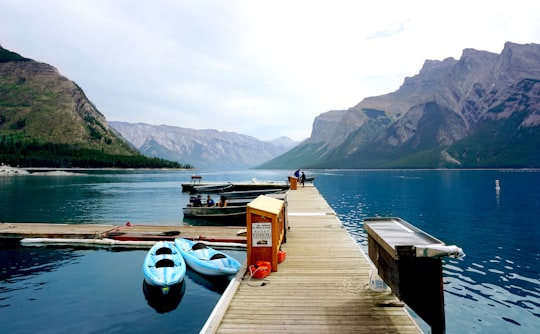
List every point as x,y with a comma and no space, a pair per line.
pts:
303,178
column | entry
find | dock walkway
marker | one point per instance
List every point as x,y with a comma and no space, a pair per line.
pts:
321,287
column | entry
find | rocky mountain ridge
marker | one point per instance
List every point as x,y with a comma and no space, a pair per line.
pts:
36,97
482,110
208,149
46,120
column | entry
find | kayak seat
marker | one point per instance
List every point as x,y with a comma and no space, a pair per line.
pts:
217,256
163,251
163,263
198,245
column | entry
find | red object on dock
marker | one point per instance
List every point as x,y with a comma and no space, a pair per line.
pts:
260,269
281,256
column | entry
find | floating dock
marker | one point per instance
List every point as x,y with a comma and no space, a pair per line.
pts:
130,234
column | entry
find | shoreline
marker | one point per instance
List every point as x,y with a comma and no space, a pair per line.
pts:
8,170
14,171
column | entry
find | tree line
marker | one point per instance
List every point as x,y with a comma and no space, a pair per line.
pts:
31,153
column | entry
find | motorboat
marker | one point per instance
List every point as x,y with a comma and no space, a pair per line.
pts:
206,260
247,194
211,188
164,266
235,186
231,215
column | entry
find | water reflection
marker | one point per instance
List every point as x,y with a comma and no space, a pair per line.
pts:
17,262
496,288
213,283
164,303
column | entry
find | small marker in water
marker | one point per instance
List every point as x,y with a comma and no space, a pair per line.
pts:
497,186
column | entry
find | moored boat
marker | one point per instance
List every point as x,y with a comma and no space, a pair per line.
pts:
237,198
211,188
230,202
232,215
309,178
164,266
206,260
245,194
239,186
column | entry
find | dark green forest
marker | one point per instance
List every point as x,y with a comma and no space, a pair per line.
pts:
16,151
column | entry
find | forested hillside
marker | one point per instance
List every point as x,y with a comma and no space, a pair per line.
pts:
46,120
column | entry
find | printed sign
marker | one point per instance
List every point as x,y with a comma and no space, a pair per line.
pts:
261,235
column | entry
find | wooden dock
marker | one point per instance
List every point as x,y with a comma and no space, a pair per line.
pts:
321,287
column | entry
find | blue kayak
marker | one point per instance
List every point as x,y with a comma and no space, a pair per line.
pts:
206,260
164,266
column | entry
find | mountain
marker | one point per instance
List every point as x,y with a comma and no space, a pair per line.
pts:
46,120
481,111
204,149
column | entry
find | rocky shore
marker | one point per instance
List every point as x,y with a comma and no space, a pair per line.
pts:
8,170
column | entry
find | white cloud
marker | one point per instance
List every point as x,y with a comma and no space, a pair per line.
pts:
264,69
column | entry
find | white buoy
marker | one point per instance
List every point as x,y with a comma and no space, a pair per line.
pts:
497,186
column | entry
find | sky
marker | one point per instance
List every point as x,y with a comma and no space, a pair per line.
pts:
260,68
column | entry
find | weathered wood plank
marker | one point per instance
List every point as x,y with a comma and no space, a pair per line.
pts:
97,231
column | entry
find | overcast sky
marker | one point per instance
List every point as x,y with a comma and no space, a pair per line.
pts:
261,68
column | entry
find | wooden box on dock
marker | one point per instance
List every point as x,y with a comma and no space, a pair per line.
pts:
416,280
265,230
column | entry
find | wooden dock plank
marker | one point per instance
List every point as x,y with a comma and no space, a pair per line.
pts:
321,287
43,230
97,231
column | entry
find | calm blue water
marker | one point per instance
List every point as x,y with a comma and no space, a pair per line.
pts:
494,289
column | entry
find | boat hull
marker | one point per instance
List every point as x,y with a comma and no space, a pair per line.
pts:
206,260
164,266
210,189
249,194
241,186
231,215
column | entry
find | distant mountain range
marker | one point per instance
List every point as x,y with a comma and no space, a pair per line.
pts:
205,149
481,111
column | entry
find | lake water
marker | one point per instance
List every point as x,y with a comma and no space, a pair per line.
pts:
494,289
